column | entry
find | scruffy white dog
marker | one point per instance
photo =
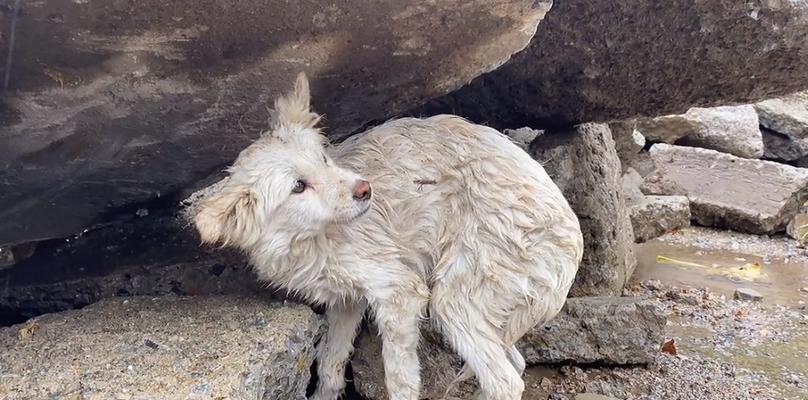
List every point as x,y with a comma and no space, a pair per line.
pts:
432,214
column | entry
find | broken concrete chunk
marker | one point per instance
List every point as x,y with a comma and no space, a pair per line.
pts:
170,347
725,191
608,330
628,141
787,115
584,164
632,180
747,294
798,227
780,147
592,396
655,216
523,136
729,129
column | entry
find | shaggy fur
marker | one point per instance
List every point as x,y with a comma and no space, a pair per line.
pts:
461,222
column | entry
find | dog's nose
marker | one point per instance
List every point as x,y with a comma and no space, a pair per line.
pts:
362,190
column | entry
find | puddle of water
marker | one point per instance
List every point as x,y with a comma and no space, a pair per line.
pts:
771,340
722,272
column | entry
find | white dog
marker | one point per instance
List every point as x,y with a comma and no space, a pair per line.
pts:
433,213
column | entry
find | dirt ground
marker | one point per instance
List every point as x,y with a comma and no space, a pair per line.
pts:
725,348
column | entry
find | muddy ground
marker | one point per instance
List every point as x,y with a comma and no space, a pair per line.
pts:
725,348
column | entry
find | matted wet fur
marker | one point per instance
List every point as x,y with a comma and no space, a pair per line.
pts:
455,218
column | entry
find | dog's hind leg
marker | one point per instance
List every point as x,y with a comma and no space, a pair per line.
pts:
335,348
517,360
479,344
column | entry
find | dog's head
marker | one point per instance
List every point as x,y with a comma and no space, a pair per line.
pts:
283,184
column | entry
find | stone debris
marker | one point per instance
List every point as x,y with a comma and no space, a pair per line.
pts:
654,216
725,191
728,129
168,347
584,164
747,294
787,115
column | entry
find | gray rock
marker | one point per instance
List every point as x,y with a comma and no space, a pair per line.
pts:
171,347
112,106
632,181
608,330
628,141
523,136
151,256
585,166
6,257
439,364
787,115
780,147
592,396
605,60
747,294
751,196
655,216
798,226
734,130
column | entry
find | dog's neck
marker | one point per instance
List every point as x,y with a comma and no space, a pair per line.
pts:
299,263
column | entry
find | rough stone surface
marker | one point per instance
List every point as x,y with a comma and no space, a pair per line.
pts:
523,136
171,347
585,166
632,180
783,148
725,191
628,141
604,60
111,106
787,115
655,216
798,226
605,330
151,256
747,294
733,130
592,396
439,364
6,257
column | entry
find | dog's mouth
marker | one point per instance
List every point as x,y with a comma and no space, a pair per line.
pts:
355,215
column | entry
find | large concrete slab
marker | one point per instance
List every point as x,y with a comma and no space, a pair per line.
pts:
113,104
725,191
162,348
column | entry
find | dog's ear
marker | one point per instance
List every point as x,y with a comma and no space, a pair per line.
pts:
294,109
226,217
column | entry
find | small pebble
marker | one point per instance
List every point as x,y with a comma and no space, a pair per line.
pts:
592,396
747,294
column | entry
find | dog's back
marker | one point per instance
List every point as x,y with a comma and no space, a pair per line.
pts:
477,216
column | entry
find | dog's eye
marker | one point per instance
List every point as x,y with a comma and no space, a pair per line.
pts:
300,186
325,159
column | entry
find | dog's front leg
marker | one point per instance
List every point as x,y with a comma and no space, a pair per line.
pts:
397,319
335,348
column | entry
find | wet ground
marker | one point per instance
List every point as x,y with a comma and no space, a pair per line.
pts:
767,338
725,348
